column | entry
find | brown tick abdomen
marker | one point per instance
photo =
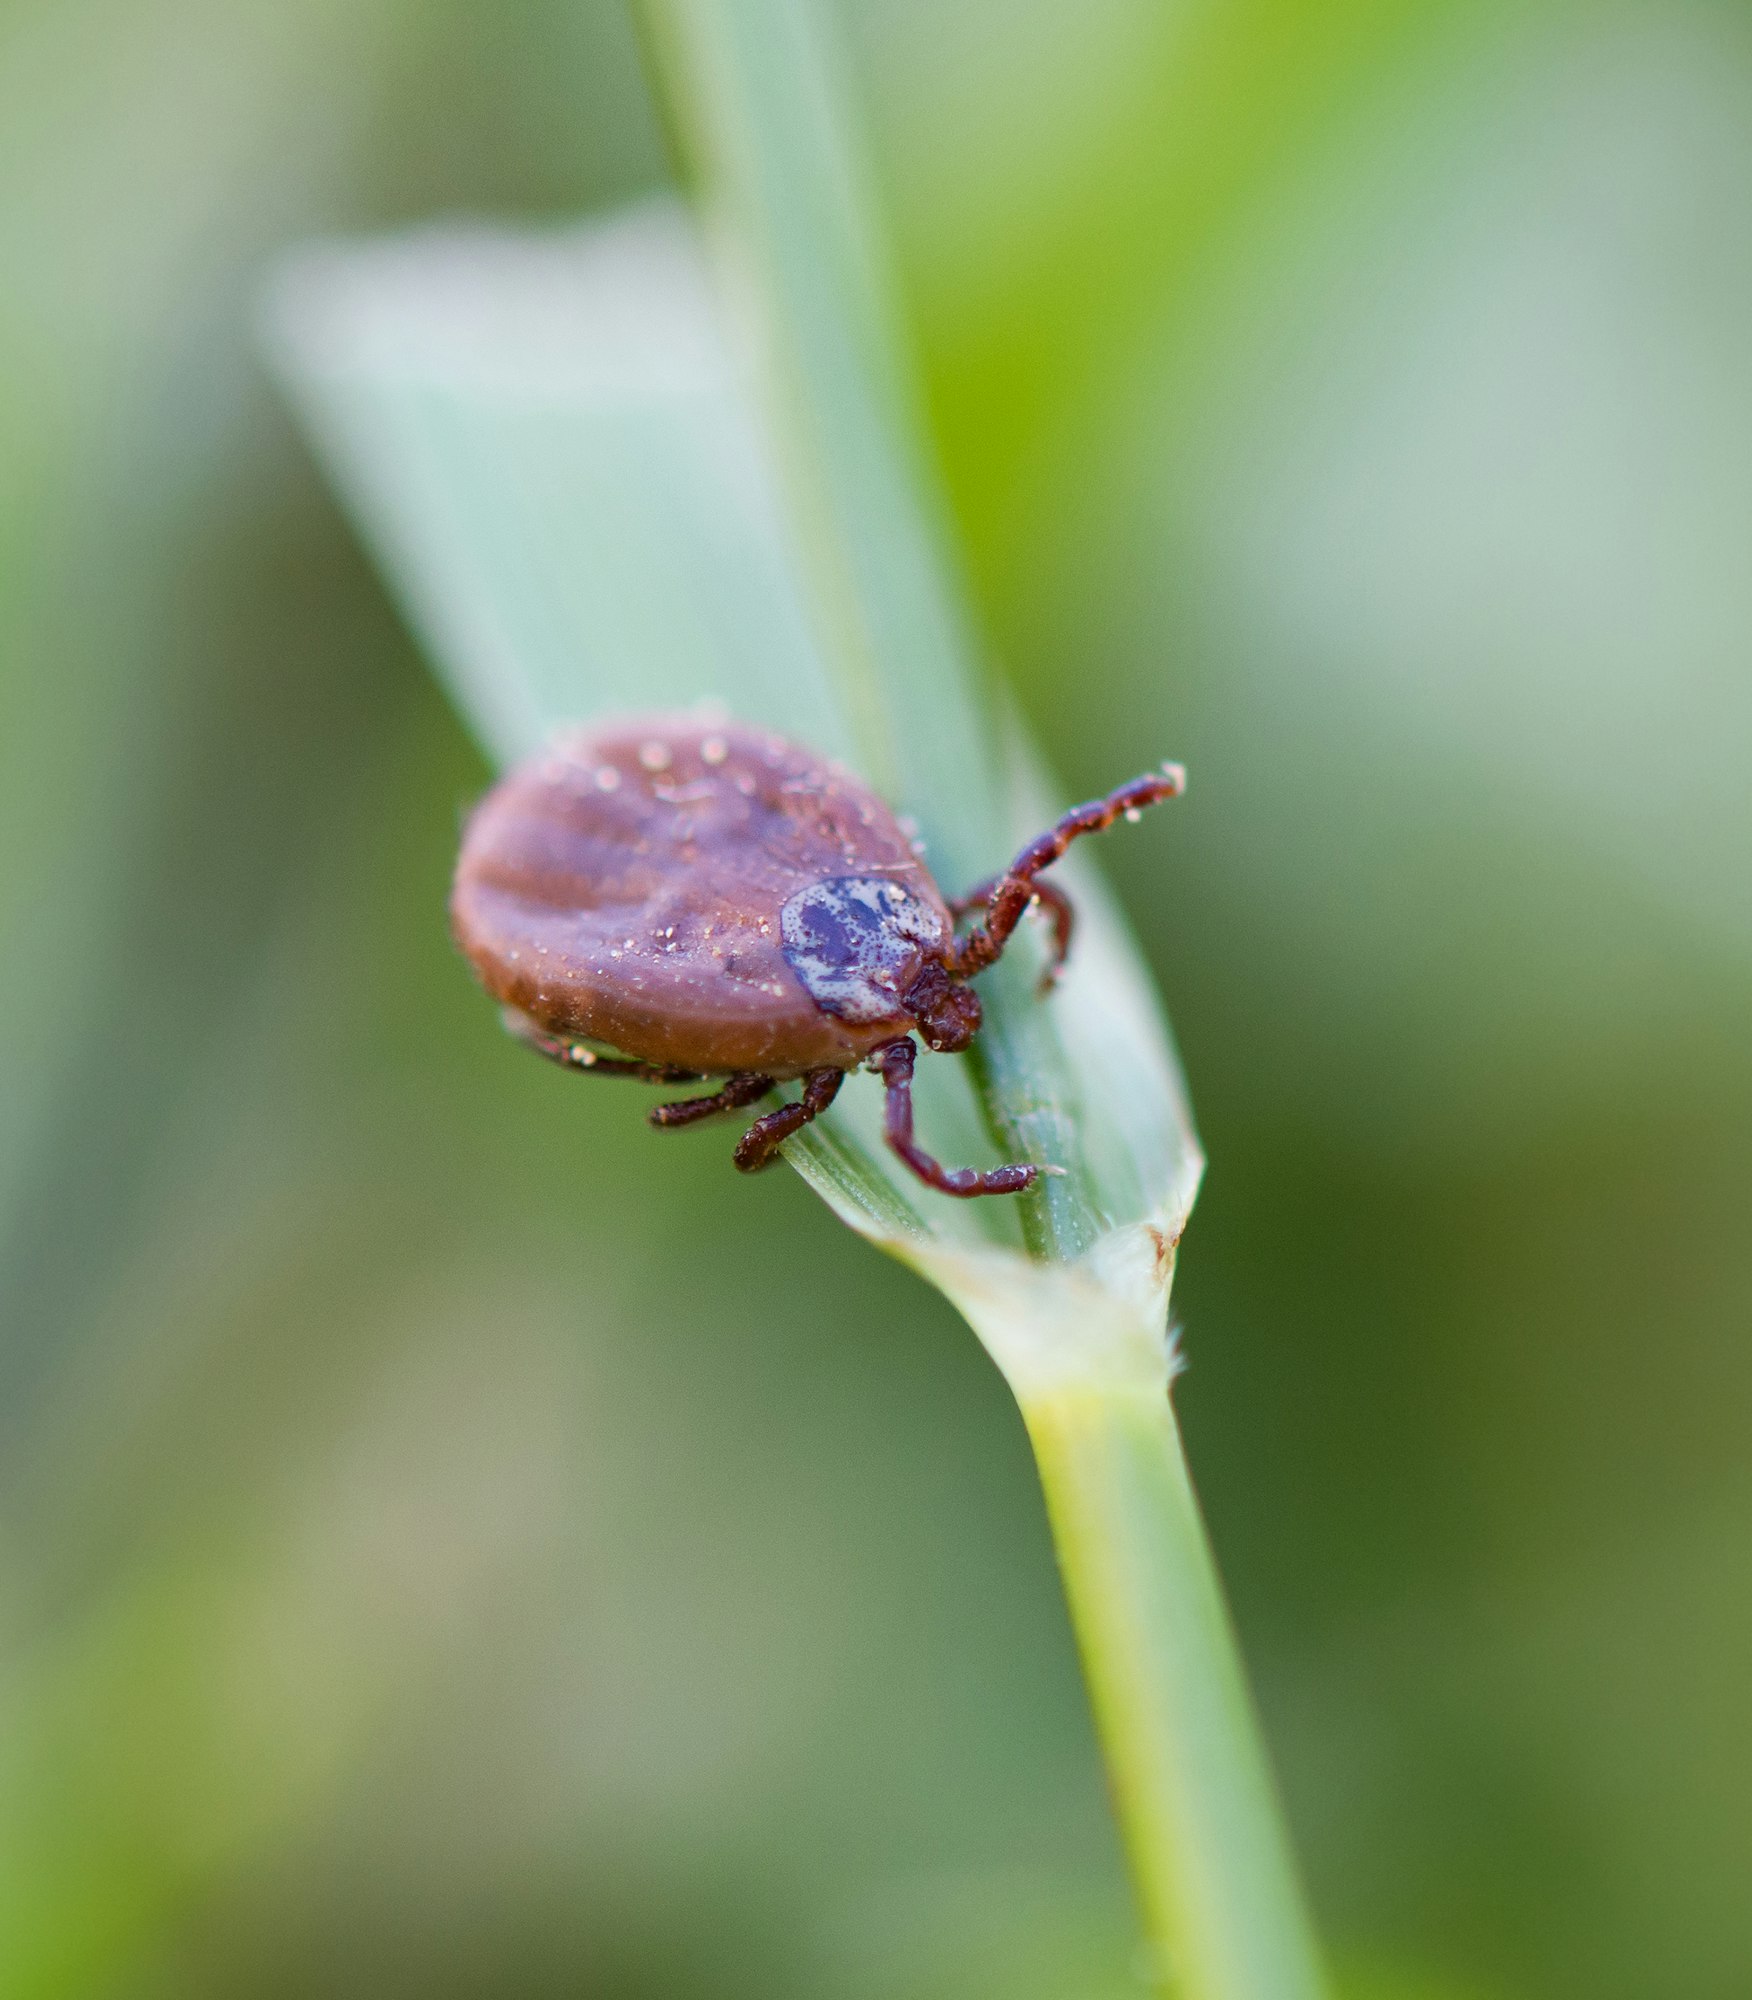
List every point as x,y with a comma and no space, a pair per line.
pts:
626,885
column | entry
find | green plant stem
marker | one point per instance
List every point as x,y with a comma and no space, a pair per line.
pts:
1194,1797
1077,1329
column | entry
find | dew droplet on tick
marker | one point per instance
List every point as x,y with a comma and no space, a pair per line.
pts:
844,947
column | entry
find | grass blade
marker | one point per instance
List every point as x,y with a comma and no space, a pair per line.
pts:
586,506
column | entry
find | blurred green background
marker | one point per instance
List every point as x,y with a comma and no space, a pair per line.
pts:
441,1552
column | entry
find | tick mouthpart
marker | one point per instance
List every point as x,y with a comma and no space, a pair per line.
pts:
948,1014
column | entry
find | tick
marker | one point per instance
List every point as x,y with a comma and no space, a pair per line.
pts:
676,900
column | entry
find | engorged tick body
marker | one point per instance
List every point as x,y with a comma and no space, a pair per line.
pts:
705,899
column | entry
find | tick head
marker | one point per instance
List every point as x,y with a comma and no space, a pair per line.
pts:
947,1012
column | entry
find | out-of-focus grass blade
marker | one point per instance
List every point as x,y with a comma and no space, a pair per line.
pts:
543,436
547,437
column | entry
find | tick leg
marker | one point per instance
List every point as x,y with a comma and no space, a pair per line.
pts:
585,1061
736,1095
759,1145
1060,911
1016,888
895,1061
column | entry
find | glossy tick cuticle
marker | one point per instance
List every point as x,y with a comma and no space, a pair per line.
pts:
678,898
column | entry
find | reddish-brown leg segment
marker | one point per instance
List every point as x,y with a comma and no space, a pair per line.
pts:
895,1061
585,1061
1061,914
736,1095
759,1145
1016,888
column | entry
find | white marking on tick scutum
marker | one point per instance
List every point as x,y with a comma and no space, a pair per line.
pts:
855,940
